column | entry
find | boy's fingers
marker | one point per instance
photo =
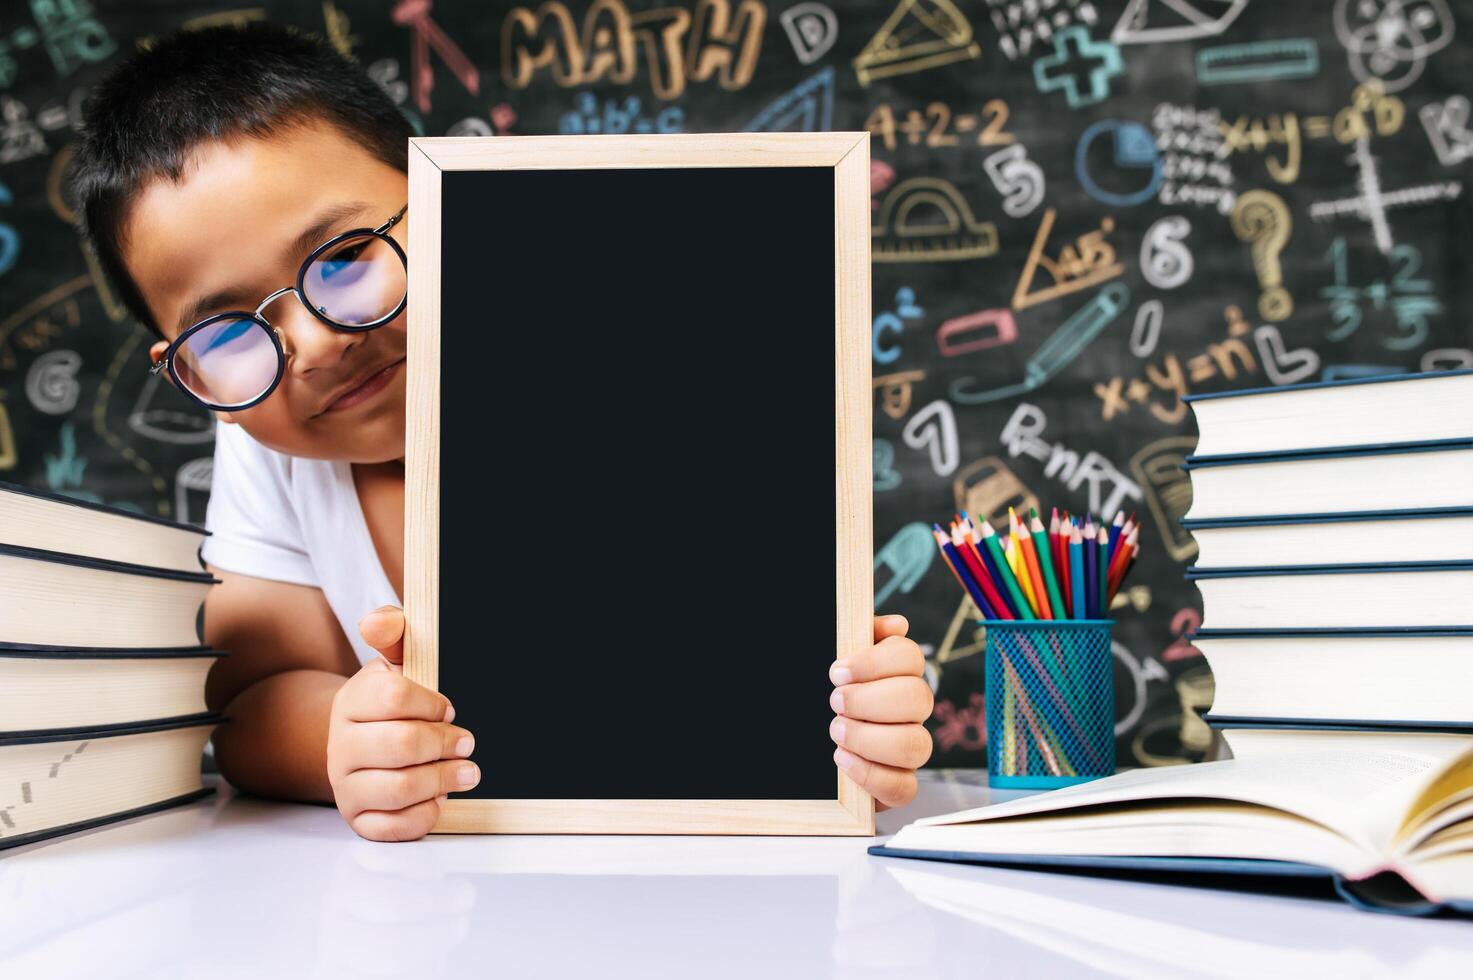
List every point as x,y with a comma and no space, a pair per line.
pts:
383,695
901,746
399,743
410,823
395,789
891,625
383,629
894,656
888,785
888,700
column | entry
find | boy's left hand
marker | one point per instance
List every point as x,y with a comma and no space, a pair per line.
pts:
882,700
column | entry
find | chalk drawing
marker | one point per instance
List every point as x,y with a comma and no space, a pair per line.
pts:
1086,262
192,484
885,475
1372,203
1283,366
1146,332
918,35
933,428
1446,124
1072,336
952,234
807,107
896,390
1160,21
812,29
425,34
982,330
1075,52
1108,488
1019,23
1262,219
908,554
1259,61
1134,154
1168,491
1017,178
1166,261
51,382
1390,40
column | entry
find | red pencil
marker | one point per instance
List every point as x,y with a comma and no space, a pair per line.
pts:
1127,558
967,548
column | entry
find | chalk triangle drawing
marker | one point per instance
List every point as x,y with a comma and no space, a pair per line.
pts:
918,34
807,108
1158,21
1024,295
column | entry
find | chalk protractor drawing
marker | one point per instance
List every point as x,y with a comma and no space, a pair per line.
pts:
926,219
1156,21
918,34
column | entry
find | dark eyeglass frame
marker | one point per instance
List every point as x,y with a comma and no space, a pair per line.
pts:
166,362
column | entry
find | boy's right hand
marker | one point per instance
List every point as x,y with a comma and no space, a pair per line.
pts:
392,754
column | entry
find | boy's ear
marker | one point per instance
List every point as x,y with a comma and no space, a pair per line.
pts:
156,354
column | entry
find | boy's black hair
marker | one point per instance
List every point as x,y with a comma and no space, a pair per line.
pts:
145,117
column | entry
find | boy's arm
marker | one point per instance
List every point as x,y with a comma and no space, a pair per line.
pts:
378,745
288,658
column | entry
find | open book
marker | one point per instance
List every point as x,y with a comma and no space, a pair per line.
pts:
1394,826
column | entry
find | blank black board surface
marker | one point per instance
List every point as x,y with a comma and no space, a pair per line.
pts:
635,389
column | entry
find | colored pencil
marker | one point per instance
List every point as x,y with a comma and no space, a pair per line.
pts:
1102,544
955,562
1118,557
974,567
1076,572
1045,560
1115,532
1132,548
1065,568
1033,562
1020,574
1009,581
972,539
1091,560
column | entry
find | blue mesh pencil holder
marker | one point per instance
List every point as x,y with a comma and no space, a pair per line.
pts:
1050,702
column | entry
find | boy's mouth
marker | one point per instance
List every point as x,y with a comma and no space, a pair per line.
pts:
362,388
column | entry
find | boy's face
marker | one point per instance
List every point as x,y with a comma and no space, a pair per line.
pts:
230,226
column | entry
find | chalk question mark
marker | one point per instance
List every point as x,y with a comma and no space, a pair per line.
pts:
1262,219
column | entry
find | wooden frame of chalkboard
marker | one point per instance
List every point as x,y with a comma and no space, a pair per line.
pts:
849,810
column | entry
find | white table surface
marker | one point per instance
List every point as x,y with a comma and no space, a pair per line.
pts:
239,887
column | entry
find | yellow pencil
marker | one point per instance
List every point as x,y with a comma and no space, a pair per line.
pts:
1020,572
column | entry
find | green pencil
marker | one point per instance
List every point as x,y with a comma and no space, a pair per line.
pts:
989,537
1046,563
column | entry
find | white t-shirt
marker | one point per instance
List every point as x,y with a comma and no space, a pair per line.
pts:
295,520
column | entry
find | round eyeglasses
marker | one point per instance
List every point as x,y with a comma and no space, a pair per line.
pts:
354,281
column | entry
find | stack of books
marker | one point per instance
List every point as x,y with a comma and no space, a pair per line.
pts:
102,677
1334,524
1335,533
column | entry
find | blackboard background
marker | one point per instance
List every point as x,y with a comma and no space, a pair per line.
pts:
92,425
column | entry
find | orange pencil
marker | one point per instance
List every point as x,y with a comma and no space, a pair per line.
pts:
1030,562
1124,559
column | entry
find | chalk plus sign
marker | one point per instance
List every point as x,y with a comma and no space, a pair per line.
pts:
1075,45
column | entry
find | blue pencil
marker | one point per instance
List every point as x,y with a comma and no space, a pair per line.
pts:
1091,566
1076,572
1114,537
959,569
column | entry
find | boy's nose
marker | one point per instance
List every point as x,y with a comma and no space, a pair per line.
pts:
310,344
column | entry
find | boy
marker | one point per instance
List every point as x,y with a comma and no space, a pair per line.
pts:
217,168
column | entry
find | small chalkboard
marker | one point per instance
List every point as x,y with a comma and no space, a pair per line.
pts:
618,423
